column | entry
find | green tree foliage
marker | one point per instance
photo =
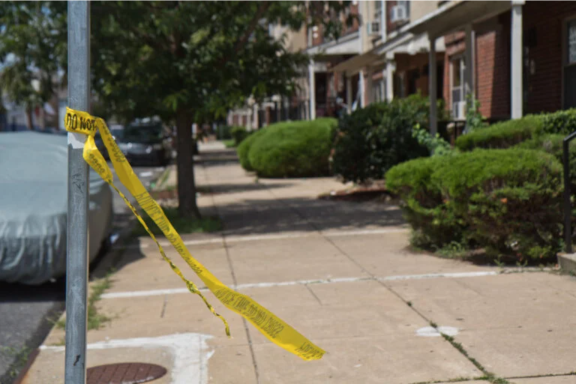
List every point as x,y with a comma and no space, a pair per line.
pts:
32,50
193,61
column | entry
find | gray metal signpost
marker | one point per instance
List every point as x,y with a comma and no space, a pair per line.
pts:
78,185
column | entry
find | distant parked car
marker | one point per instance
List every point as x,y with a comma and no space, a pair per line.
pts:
33,207
146,142
117,132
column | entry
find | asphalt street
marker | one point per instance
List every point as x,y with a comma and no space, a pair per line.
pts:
28,312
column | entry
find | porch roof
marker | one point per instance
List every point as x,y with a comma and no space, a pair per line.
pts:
345,45
455,15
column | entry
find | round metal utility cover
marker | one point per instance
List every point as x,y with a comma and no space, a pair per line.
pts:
124,373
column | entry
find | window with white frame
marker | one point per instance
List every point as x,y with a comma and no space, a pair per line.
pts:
457,88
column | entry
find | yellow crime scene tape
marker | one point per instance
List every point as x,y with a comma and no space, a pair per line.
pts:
265,321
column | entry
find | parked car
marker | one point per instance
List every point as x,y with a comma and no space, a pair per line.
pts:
33,207
146,141
117,132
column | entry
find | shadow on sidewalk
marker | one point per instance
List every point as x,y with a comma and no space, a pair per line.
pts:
257,217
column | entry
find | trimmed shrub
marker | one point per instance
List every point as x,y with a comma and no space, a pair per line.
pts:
552,144
223,132
434,225
371,140
244,148
510,200
239,134
502,135
292,149
505,201
561,122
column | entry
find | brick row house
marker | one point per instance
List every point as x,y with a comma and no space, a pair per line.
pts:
514,57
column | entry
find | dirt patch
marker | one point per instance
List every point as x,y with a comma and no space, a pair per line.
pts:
375,192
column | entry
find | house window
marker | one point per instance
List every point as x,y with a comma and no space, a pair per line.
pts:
570,65
377,10
457,87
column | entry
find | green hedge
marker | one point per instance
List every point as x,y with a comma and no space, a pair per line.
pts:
289,149
561,122
433,224
244,148
371,140
505,201
501,135
552,144
223,132
239,134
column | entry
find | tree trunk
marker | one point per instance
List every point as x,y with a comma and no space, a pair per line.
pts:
187,206
29,124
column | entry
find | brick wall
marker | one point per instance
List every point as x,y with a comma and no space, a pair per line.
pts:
544,21
492,62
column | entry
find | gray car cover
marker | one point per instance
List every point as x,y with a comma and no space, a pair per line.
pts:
33,205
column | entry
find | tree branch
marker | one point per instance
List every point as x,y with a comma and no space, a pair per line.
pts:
252,26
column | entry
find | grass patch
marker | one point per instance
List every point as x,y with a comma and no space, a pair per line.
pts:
182,225
230,143
95,320
163,178
20,356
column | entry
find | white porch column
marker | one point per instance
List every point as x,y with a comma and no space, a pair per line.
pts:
469,64
256,117
516,61
432,87
369,85
312,90
349,99
362,89
389,75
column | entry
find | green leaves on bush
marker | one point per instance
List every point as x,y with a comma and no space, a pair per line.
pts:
501,135
505,201
373,139
239,134
561,122
289,149
244,148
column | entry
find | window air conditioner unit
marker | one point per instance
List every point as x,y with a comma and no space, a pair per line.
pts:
459,110
373,27
399,13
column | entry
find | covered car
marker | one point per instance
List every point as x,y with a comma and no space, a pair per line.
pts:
33,207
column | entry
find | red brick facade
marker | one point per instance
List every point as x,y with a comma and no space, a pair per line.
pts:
492,60
544,41
544,25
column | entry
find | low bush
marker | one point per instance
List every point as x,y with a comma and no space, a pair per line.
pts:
505,201
502,135
552,144
223,132
509,199
561,122
433,224
292,149
371,140
243,149
239,134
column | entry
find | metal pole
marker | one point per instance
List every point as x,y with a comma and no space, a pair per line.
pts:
78,186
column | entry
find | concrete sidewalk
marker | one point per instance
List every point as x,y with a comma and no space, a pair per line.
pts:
340,273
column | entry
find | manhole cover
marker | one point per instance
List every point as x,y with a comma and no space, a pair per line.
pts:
124,373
